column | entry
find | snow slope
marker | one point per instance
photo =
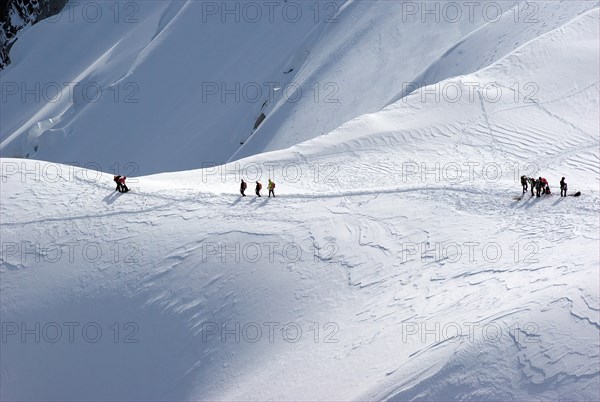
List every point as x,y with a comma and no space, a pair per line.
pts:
368,277
391,48
179,85
151,68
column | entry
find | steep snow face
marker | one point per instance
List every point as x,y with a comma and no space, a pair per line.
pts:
393,264
382,51
169,86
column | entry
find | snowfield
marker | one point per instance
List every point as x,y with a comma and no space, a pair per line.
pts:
398,261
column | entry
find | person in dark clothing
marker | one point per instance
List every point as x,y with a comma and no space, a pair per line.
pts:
532,184
258,188
243,187
563,187
538,187
117,179
524,183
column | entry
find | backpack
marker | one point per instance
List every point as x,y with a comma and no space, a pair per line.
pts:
259,186
273,185
523,180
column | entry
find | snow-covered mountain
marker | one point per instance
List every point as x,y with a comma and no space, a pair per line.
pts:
398,261
181,85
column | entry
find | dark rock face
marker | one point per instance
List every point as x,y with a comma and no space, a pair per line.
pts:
17,14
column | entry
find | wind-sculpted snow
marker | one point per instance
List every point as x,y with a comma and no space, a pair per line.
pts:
399,261
177,264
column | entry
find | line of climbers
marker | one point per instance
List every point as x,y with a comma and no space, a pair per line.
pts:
541,186
258,188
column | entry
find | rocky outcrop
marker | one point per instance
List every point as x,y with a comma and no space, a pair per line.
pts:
17,14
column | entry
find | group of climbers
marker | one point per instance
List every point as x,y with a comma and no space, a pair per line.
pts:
541,186
122,188
258,188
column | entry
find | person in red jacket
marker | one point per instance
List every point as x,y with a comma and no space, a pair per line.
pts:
124,188
538,186
545,186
